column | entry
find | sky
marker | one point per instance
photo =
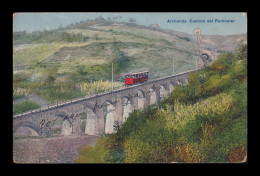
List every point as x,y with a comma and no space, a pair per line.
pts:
48,21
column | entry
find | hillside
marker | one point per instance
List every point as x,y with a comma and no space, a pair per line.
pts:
204,121
55,64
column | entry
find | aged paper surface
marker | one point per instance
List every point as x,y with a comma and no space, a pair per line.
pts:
130,87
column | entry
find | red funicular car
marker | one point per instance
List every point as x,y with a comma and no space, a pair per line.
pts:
136,78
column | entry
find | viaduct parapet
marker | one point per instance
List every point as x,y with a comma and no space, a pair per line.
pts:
97,114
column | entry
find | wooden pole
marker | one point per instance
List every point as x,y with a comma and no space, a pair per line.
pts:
112,77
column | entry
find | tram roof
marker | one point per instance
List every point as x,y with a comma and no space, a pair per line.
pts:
137,73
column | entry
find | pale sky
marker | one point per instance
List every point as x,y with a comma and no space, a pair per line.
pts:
48,21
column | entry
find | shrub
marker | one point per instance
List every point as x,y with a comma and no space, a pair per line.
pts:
238,70
134,122
25,106
179,93
222,64
93,154
186,152
137,151
115,156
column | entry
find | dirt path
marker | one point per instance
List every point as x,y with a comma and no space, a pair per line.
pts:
50,150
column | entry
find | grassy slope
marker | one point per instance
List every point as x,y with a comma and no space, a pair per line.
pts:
54,70
25,106
203,121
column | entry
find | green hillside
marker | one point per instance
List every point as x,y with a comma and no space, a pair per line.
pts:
55,64
202,121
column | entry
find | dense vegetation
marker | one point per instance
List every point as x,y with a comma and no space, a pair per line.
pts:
202,121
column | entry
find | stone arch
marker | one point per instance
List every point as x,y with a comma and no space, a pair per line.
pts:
153,97
62,124
109,116
140,99
88,121
83,122
206,59
171,87
162,92
126,108
179,82
29,125
25,131
57,127
66,129
185,80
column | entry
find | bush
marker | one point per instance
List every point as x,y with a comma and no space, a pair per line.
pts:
187,152
238,70
180,93
93,154
137,151
222,64
134,122
115,156
25,106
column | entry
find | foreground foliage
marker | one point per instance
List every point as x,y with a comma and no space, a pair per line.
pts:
203,121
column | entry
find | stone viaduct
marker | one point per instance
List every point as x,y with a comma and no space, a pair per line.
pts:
97,114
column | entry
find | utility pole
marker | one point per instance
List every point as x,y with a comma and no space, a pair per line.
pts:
112,76
172,65
196,63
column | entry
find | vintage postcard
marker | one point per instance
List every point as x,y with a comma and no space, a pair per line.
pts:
128,87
